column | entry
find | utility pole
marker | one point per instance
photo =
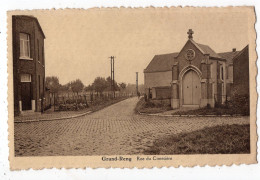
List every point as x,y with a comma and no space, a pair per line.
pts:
112,77
137,83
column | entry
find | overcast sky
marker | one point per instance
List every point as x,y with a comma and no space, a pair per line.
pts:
78,44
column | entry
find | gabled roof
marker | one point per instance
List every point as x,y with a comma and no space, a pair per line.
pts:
205,49
229,56
164,62
245,48
160,63
33,18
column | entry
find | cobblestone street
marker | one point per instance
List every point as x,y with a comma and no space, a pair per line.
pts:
113,130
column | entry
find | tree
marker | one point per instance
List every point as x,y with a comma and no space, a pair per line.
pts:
122,85
52,82
100,84
89,88
76,86
108,79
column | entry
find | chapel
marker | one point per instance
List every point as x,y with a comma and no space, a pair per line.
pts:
197,76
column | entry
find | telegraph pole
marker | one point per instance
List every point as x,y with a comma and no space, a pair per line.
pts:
112,77
136,83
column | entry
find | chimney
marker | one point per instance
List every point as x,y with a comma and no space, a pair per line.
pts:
234,50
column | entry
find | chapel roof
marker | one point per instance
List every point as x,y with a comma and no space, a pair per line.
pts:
164,62
160,63
207,50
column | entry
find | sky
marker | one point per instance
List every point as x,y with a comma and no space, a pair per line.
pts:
79,43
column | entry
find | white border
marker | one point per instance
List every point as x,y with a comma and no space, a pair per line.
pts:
234,172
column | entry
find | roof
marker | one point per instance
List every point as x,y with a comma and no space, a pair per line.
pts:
205,49
165,62
160,63
244,49
35,19
229,56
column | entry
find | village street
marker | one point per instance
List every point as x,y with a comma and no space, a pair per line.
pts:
113,130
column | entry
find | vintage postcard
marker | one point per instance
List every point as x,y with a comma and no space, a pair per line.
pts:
132,87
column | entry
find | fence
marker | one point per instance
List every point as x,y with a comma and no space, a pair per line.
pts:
66,101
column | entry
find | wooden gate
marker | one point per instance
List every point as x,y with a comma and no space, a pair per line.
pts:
191,88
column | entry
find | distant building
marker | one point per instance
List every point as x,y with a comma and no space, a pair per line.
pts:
28,64
197,76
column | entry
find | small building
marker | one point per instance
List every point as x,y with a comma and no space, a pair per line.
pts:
197,75
158,74
28,64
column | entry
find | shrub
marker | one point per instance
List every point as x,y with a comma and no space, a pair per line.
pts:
239,104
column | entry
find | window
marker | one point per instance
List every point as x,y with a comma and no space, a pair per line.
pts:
38,50
43,56
24,45
222,72
26,78
230,72
211,71
39,83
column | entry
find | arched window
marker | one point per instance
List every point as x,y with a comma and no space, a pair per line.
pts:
222,72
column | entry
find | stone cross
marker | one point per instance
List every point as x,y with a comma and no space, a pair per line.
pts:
190,32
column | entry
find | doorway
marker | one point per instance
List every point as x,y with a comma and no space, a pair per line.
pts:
191,87
26,96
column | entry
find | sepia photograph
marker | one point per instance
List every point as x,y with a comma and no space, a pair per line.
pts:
132,84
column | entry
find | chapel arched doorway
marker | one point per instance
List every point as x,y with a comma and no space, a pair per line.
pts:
191,88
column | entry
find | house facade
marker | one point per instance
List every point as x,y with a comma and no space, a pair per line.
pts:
196,76
28,64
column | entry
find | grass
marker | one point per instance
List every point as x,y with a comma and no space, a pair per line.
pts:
210,111
150,107
104,104
50,114
227,139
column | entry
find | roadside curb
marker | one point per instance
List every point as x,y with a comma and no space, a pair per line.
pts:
64,118
191,115
55,119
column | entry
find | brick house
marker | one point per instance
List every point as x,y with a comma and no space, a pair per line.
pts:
28,64
241,73
196,76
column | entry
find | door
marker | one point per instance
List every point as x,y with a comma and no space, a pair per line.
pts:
26,96
191,88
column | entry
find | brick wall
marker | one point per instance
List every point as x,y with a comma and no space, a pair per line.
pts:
241,73
30,26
